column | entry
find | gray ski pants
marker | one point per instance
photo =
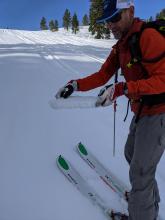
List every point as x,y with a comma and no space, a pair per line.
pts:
143,150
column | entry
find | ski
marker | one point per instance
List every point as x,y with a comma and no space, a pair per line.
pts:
77,180
107,176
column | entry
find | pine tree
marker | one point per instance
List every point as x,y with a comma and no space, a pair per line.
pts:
56,25
43,25
52,25
157,16
67,19
75,24
96,11
85,20
161,15
150,18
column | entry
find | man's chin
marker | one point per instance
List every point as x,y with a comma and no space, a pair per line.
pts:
117,35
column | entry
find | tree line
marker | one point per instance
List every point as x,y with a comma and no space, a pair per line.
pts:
68,22
160,15
72,22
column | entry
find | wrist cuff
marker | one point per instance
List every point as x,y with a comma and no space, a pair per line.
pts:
74,84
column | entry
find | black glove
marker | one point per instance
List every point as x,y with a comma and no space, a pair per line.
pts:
67,90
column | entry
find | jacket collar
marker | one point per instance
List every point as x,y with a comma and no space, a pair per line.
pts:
136,27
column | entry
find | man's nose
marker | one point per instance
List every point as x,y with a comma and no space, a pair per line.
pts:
110,25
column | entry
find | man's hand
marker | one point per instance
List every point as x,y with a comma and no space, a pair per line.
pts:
67,90
109,94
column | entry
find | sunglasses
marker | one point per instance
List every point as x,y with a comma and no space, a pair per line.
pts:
115,18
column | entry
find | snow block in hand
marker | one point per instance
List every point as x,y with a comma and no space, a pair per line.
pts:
73,102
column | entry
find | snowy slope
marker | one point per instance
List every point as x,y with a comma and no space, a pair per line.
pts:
34,65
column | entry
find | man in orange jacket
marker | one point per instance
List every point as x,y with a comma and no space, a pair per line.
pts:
145,81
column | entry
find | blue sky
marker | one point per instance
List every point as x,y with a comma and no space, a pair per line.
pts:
26,14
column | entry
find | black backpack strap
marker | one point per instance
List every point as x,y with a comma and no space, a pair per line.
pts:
154,59
134,43
134,46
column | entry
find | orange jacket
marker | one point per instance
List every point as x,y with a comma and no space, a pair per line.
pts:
152,44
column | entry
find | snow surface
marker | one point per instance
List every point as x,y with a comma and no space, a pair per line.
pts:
34,65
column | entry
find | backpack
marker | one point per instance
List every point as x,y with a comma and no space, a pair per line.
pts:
136,57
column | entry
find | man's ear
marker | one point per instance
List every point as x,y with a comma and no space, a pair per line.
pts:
132,11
